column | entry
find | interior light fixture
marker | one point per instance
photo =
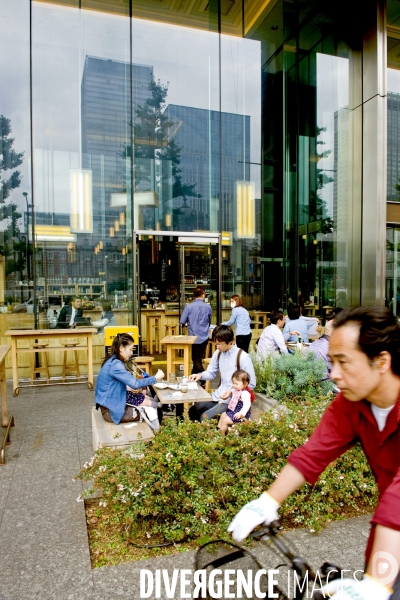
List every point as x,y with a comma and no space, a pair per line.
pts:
116,225
123,251
304,237
315,242
223,253
100,245
122,218
168,220
81,219
112,232
245,196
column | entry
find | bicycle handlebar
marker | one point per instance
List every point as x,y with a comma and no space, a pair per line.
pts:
271,532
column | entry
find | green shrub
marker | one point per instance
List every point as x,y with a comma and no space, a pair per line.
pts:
189,481
291,376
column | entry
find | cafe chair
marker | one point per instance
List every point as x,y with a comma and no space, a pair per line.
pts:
145,363
45,365
71,366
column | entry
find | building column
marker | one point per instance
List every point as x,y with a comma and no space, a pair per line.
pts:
373,232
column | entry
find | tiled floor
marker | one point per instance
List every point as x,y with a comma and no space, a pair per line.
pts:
44,552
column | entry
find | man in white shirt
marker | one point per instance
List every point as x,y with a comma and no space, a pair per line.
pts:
272,339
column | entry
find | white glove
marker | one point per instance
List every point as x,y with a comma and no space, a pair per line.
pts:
349,589
263,510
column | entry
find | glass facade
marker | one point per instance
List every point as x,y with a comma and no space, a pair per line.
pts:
148,147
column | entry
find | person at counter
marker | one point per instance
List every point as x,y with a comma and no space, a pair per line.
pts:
115,384
107,317
197,316
70,314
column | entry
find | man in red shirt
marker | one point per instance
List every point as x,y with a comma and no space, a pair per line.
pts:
364,350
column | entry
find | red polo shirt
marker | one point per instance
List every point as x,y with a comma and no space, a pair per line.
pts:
342,425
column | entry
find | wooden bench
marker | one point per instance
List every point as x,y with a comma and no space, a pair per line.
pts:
117,436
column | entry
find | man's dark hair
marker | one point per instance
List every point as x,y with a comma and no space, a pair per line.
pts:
198,292
105,305
332,314
293,311
73,298
223,333
275,316
379,331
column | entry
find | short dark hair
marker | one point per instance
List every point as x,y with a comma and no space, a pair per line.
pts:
379,331
293,311
73,298
242,376
275,316
332,314
198,292
238,299
223,333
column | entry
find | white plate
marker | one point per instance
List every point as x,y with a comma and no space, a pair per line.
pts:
160,386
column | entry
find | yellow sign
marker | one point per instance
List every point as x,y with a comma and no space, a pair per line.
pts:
226,238
111,332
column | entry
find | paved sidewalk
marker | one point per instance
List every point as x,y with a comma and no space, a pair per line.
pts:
44,552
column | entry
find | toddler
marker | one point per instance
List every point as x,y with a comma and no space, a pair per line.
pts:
239,407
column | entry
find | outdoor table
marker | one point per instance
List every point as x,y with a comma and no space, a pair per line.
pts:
4,414
198,395
259,317
174,343
79,333
310,309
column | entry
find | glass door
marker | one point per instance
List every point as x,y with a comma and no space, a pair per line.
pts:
198,267
169,268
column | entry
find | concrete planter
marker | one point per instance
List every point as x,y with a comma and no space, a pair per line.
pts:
263,403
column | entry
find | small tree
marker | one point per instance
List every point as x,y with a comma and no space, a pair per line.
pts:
154,140
9,161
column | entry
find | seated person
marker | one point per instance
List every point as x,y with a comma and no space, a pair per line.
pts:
321,346
239,407
295,324
107,317
115,385
70,314
226,359
271,339
313,327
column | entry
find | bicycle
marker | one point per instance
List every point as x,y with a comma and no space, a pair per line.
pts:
224,556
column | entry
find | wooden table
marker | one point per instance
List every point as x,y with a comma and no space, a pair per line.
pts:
197,395
259,317
79,333
7,422
310,309
174,343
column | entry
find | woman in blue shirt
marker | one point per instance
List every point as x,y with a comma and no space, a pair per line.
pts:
241,319
114,382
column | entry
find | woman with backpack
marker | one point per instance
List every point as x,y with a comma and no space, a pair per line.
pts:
239,407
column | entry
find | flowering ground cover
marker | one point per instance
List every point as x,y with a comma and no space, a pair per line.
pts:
185,486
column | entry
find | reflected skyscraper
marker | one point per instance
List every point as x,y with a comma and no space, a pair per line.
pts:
222,140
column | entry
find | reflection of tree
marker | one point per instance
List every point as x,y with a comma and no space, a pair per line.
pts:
154,141
397,188
317,204
9,161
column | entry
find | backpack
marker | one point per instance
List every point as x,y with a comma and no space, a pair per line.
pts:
252,396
